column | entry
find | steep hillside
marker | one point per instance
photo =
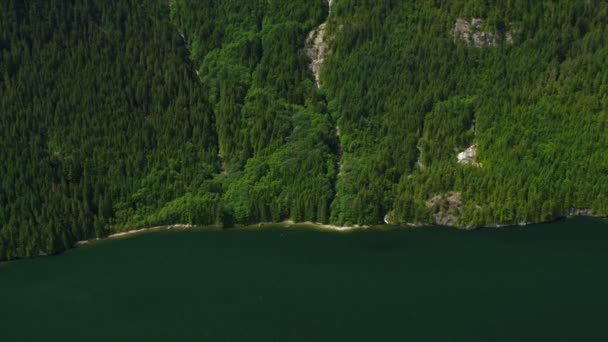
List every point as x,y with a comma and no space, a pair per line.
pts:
130,113
102,119
276,139
135,113
410,94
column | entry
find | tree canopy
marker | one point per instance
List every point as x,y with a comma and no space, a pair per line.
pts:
132,113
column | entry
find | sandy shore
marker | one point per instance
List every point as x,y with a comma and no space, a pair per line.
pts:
287,223
135,231
313,225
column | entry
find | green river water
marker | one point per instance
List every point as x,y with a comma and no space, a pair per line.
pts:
538,283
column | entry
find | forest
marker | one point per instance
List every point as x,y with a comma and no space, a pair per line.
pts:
124,114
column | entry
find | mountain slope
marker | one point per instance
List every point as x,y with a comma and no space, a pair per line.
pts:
134,113
405,88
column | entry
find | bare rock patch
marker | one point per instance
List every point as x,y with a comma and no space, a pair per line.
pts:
471,32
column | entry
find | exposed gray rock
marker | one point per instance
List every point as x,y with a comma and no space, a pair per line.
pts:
470,32
446,208
317,46
468,156
580,212
316,51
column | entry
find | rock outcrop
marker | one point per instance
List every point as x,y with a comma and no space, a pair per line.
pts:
446,208
580,212
317,45
470,31
468,156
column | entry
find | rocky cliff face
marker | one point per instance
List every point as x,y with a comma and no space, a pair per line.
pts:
470,31
317,44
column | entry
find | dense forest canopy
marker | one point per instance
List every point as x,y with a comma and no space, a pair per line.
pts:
402,87
132,113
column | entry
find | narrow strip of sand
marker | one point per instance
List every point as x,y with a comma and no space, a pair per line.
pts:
288,223
136,231
314,225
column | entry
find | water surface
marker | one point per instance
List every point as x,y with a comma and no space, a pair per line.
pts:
543,282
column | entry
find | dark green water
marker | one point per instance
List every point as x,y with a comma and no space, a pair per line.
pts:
541,283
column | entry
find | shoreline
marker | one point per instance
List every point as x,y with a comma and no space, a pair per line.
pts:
318,226
134,232
570,215
292,224
305,224
182,226
494,225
